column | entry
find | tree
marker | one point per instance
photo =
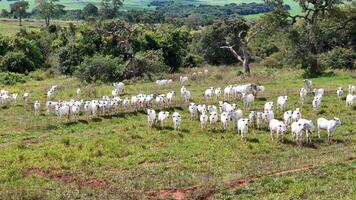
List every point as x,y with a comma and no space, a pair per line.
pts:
109,8
90,10
215,36
101,68
49,9
16,61
311,31
4,13
18,9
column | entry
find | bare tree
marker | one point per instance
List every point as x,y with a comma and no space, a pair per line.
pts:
244,56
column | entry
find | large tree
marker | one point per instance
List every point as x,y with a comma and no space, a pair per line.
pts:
110,8
49,9
18,9
309,32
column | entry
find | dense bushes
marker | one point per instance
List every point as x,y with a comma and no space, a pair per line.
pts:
100,68
9,78
20,55
16,62
339,58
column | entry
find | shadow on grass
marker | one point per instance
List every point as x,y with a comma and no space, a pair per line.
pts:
253,140
96,119
51,127
261,99
303,144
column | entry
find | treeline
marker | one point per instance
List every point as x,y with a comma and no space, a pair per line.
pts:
164,11
178,10
113,50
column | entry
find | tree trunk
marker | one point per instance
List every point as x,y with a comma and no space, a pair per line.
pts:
246,61
47,21
246,66
20,18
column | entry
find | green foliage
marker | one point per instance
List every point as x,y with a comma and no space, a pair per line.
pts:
69,57
16,61
41,74
174,48
49,9
147,64
5,13
90,10
109,8
100,68
18,9
10,78
216,36
192,60
339,58
173,43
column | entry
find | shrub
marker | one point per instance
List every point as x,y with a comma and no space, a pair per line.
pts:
40,75
68,58
147,64
100,68
16,62
9,78
192,60
339,58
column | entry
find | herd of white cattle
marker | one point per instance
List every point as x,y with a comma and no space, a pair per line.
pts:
229,114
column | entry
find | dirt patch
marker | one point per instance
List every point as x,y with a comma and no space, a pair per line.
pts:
66,177
181,194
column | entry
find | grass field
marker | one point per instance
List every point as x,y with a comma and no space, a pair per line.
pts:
130,4
10,27
117,157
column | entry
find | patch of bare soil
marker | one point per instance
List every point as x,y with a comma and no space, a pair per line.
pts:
62,176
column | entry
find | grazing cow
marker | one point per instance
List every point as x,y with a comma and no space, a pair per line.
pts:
282,103
183,80
203,120
37,107
339,92
177,120
242,127
308,126
350,99
213,118
224,118
278,127
303,93
248,99
287,117
259,119
268,106
328,125
151,117
162,117
297,129
309,84
193,110
316,103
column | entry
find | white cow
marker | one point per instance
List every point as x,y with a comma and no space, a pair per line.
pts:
328,125
242,127
177,120
278,127
282,103
151,117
